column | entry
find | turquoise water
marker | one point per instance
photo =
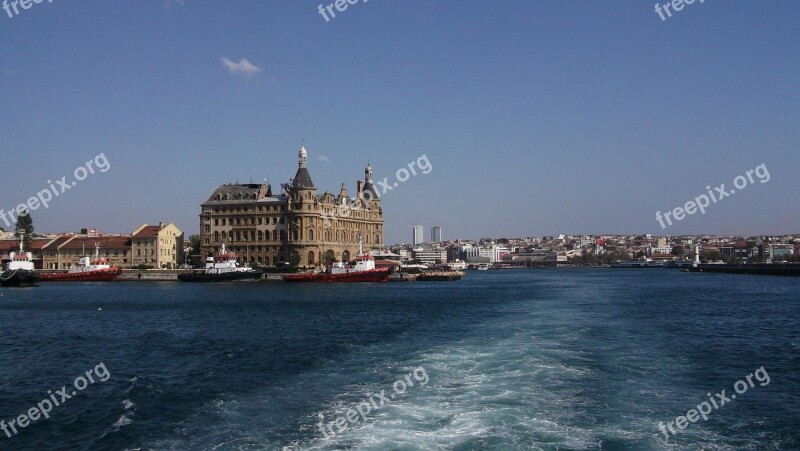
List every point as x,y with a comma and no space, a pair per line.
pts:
541,359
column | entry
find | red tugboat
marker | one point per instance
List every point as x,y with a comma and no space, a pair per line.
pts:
362,271
97,270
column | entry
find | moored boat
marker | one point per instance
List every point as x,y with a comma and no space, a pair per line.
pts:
19,269
361,270
87,270
222,269
646,263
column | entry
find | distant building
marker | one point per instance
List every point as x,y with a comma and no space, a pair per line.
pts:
737,251
65,251
158,246
436,234
419,235
778,252
431,255
477,254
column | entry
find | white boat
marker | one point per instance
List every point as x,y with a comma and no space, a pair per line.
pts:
19,270
222,269
646,263
457,265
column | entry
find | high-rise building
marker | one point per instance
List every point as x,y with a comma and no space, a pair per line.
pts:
436,234
419,234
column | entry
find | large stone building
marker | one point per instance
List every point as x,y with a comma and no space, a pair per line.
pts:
296,225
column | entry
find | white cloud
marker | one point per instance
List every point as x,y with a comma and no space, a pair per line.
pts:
242,67
168,4
324,158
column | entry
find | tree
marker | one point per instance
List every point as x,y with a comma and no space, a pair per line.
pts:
677,251
25,225
713,256
194,244
295,259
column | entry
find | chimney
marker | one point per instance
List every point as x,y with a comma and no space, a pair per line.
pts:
359,188
160,225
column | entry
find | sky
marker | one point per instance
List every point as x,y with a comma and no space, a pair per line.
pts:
536,118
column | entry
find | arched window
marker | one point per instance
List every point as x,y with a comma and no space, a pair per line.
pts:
377,239
310,257
216,236
260,236
311,234
346,256
294,235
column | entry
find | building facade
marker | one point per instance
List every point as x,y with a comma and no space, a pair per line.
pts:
418,235
158,246
436,234
66,251
296,226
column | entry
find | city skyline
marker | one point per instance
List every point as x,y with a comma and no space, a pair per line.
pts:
535,118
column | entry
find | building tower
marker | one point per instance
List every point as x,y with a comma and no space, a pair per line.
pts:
436,234
419,235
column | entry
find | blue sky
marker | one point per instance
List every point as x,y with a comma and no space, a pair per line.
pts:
538,118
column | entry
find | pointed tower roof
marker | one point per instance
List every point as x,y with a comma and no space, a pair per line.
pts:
302,179
369,187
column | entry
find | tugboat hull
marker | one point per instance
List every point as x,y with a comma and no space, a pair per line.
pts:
19,278
374,275
102,275
223,277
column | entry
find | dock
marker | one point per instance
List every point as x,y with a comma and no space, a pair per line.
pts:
440,276
758,269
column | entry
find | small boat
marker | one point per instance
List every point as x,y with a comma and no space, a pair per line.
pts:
483,267
87,270
362,270
457,265
223,269
646,263
19,270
